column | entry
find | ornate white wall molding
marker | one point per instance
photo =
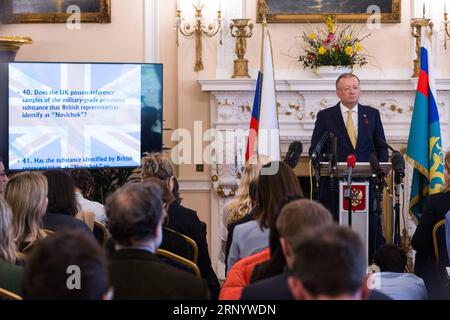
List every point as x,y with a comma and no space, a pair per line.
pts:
299,101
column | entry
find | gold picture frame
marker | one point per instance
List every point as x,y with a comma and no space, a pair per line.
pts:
306,14
54,11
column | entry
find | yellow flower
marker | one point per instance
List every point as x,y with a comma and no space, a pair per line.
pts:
358,47
322,50
348,50
347,37
333,49
312,36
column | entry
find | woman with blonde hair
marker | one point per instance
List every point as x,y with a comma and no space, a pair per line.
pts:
7,245
180,218
240,206
436,207
26,193
10,274
242,203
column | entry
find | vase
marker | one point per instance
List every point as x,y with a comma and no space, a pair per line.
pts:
331,71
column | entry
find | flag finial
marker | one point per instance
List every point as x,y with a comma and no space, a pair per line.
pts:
263,10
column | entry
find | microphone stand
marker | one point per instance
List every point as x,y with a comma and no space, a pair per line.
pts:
317,168
398,164
317,158
378,191
397,211
348,196
332,161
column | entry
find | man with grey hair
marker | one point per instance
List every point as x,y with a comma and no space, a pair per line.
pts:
296,218
135,216
329,265
3,176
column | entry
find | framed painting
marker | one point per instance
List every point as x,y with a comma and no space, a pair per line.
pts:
54,11
299,11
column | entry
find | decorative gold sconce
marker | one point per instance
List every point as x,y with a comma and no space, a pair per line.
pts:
197,29
446,29
241,30
416,25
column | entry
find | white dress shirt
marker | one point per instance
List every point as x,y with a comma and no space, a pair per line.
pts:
401,286
344,111
87,205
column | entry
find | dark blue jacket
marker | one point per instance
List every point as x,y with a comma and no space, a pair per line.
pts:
370,129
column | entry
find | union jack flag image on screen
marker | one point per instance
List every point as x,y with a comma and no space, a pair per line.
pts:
74,115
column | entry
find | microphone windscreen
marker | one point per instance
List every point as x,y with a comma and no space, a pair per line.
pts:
293,154
398,162
351,160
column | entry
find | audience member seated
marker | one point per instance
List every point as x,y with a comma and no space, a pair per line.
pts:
10,273
26,193
393,279
3,176
253,236
180,218
62,206
239,206
83,188
135,217
252,189
68,265
277,262
239,275
242,271
295,219
173,241
329,264
435,209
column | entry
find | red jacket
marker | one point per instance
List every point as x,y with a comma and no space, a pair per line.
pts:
239,275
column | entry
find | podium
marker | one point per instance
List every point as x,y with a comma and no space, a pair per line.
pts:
365,216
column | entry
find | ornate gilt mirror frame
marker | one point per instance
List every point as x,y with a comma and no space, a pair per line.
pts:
53,11
302,15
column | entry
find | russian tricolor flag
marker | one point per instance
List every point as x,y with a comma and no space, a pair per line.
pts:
264,135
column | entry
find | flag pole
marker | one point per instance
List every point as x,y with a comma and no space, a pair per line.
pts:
264,10
420,193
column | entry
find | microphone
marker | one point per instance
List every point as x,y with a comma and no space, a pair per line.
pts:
293,154
398,163
332,155
351,161
378,171
319,146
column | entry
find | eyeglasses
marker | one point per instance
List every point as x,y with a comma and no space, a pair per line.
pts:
347,89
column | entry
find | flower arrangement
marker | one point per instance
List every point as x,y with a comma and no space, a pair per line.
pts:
339,46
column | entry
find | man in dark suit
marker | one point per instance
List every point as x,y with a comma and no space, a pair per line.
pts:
359,131
135,215
358,128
